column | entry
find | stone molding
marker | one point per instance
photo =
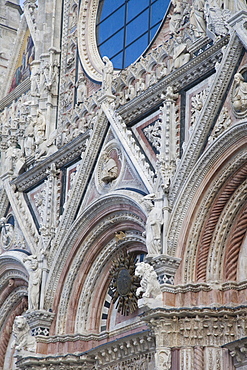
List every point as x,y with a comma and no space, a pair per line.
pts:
16,93
60,158
11,301
40,321
205,120
201,65
133,350
216,150
206,326
88,49
193,241
238,350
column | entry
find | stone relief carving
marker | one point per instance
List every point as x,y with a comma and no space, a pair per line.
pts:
109,167
149,284
153,134
197,18
179,16
11,235
163,359
224,121
216,19
109,170
35,274
239,95
181,54
23,340
197,102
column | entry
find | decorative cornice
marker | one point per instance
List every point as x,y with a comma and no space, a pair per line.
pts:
60,158
195,326
129,350
16,93
238,350
200,65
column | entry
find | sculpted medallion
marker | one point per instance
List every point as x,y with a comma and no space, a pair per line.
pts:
109,167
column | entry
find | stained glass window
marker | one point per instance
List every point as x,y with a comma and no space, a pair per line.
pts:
126,27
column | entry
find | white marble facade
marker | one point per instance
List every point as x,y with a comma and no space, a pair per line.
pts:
123,208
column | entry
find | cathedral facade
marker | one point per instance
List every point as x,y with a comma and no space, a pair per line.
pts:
123,184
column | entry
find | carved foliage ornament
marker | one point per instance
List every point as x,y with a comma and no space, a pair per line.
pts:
124,283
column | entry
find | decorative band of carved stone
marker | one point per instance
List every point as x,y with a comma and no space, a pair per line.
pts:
134,349
64,155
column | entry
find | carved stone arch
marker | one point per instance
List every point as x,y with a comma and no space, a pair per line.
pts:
96,286
88,240
13,296
229,230
88,50
234,259
203,204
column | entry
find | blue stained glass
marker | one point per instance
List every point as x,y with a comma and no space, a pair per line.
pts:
134,50
109,7
118,61
156,13
125,28
153,31
137,27
110,25
113,45
135,7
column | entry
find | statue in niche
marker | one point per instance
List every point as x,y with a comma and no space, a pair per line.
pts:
40,125
81,86
7,233
153,225
197,18
180,53
23,340
29,137
34,282
109,168
239,94
35,84
107,76
14,157
149,284
177,17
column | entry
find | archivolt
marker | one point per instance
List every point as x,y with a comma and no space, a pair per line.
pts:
217,176
13,296
86,252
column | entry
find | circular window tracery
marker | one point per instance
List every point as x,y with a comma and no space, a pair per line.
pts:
124,29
